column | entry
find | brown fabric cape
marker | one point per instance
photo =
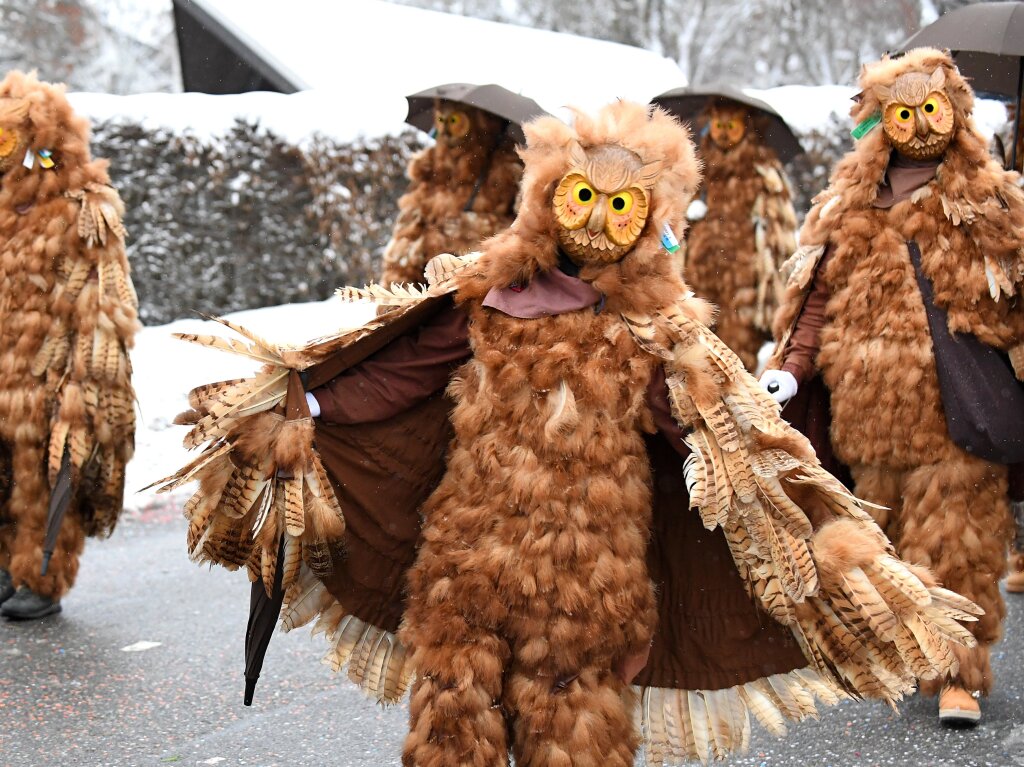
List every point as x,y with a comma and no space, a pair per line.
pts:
710,634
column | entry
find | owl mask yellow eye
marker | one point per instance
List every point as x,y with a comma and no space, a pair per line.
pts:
583,193
8,141
627,214
452,125
573,200
620,204
458,124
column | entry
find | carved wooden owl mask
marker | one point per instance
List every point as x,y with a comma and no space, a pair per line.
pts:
14,138
727,125
451,123
917,115
11,141
602,203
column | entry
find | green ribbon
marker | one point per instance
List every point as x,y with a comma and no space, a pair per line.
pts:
864,127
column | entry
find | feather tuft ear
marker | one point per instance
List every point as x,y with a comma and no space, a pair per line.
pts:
649,173
577,155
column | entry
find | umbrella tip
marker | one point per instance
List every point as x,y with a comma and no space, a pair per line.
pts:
250,688
46,562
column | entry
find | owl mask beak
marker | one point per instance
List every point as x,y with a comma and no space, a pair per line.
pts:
921,124
595,224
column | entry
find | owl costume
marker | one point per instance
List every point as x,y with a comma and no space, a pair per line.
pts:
67,318
462,190
559,587
915,251
733,251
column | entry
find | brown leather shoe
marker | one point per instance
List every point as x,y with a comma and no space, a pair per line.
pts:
1015,580
958,708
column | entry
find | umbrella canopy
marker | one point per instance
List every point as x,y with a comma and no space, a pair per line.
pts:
987,40
263,613
264,608
492,98
688,103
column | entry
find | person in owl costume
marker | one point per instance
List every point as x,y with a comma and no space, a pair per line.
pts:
1003,140
462,190
735,247
911,257
551,586
67,318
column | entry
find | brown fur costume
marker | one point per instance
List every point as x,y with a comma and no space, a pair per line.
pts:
530,596
949,510
432,214
733,252
67,316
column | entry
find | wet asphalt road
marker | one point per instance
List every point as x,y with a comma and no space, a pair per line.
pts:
70,696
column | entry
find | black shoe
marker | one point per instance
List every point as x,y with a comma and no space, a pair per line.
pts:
6,586
27,605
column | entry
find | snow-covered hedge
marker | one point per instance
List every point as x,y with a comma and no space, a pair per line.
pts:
246,219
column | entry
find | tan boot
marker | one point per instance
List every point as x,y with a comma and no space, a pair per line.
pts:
958,708
1015,580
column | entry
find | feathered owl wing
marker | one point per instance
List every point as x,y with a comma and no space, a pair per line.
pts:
774,238
265,499
84,358
868,623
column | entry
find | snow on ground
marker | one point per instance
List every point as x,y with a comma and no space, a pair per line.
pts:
165,368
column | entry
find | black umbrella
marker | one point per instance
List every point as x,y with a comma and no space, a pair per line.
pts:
264,609
688,103
263,613
499,101
987,40
60,499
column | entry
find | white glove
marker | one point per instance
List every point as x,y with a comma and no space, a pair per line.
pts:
314,406
781,384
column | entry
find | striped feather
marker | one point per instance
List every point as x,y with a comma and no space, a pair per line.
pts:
294,512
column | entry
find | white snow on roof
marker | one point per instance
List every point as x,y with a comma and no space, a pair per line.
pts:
367,46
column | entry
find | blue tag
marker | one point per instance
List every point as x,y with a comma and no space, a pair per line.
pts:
668,239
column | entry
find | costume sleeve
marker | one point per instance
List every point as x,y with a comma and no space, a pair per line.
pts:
661,410
400,375
84,359
806,339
